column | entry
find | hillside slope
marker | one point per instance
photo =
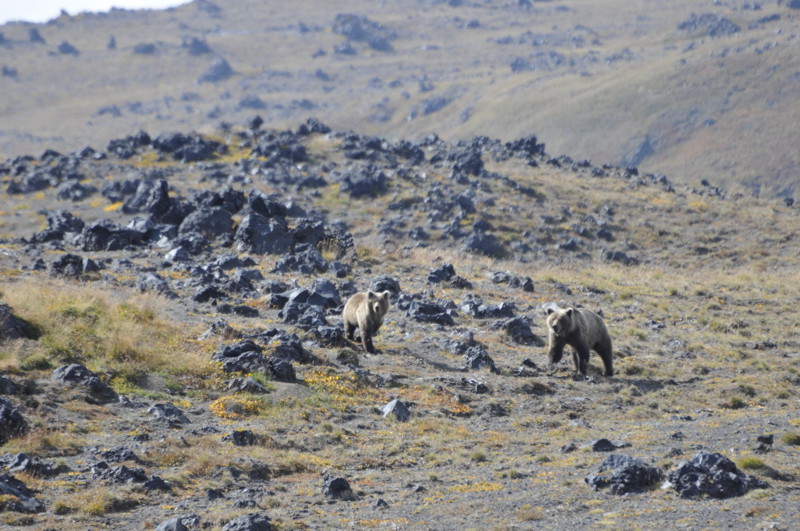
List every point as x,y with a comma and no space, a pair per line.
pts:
171,343
693,92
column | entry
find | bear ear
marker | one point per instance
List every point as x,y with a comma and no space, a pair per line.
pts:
570,310
371,295
548,311
385,295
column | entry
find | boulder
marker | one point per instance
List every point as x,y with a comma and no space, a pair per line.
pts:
397,408
18,497
429,312
383,283
218,70
249,522
59,223
257,234
12,423
13,327
337,488
211,223
105,235
624,474
519,330
168,412
477,358
713,475
78,375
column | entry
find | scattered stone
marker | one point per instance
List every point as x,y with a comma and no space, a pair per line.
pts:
249,522
604,445
78,375
397,408
624,474
475,307
219,70
173,524
446,274
12,423
246,385
13,327
519,330
337,488
168,412
477,358
513,281
430,312
713,475
243,438
17,497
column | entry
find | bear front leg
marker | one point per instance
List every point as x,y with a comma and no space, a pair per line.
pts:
580,357
554,355
349,331
366,340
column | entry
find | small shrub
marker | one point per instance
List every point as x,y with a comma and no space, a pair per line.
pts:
792,439
750,463
36,362
734,402
478,457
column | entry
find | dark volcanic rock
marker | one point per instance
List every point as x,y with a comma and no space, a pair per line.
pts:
475,307
447,274
624,474
258,235
105,235
482,243
513,281
430,312
67,265
151,196
78,375
249,522
18,497
32,466
363,181
219,70
397,408
306,260
477,358
360,28
337,488
12,327
75,191
245,356
709,24
519,330
385,283
59,223
713,475
12,423
169,412
211,223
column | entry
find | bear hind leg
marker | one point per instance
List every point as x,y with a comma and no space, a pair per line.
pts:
603,349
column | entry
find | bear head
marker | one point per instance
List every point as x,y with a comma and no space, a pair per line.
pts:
378,302
560,321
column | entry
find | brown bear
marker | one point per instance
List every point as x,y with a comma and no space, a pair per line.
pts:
583,330
365,311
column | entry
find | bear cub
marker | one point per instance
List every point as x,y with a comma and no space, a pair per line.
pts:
582,330
365,310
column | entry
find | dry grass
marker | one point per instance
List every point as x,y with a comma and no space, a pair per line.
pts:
120,333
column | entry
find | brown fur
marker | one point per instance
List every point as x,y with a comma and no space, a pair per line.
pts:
582,330
365,311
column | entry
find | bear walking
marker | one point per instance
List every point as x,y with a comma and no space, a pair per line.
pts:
365,310
583,330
